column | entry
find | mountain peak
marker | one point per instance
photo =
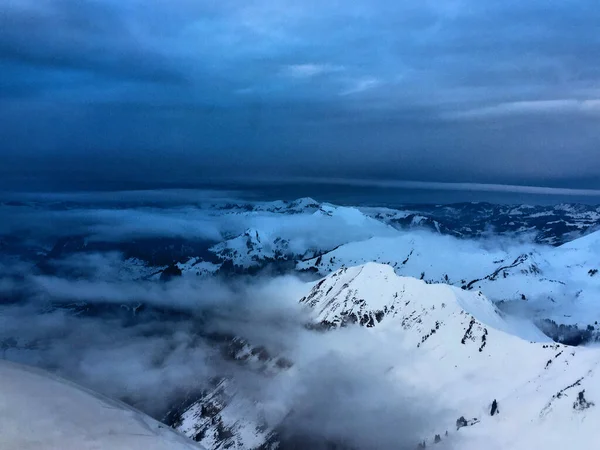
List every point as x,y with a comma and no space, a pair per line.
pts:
373,295
305,202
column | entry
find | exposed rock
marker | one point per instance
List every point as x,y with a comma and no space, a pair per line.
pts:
170,272
494,409
581,403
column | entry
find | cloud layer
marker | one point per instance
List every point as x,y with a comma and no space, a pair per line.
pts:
139,93
153,345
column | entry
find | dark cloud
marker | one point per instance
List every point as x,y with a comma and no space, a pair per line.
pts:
89,36
110,92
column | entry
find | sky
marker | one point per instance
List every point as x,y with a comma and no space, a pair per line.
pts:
113,92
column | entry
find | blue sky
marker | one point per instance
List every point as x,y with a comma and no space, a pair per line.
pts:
462,91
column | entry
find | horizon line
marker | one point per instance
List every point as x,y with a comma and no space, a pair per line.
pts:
439,185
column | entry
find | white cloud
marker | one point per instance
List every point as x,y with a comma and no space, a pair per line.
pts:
361,85
560,106
309,70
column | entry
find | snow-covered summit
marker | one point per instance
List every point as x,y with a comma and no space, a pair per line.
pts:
372,294
500,383
251,248
303,204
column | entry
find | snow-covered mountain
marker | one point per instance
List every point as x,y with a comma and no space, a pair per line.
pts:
556,283
253,248
444,292
552,225
548,224
300,230
274,235
497,382
41,411
249,235
465,353
223,416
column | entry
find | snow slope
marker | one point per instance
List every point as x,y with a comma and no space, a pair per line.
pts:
41,411
558,283
460,350
453,348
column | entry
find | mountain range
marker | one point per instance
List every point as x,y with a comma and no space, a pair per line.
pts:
481,317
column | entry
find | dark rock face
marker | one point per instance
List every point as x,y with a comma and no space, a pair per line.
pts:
570,335
494,409
461,422
206,407
581,403
170,272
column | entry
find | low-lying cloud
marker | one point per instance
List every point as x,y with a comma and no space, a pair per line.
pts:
86,314
170,215
112,225
153,343
142,341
